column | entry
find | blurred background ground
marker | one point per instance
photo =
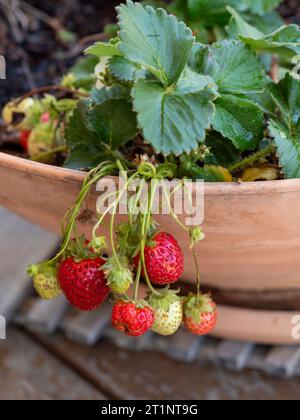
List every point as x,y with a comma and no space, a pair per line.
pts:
39,40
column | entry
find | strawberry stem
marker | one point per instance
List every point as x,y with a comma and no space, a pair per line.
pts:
137,282
146,222
198,275
93,177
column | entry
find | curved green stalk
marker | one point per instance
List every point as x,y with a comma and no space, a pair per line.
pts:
252,159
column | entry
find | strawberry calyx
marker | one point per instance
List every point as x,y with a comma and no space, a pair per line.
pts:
45,268
194,307
80,249
118,274
98,244
196,235
139,303
164,300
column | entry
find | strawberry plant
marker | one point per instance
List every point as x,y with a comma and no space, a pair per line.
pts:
209,109
167,105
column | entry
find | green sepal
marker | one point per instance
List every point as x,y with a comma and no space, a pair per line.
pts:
98,244
79,249
196,235
41,268
163,301
194,308
118,274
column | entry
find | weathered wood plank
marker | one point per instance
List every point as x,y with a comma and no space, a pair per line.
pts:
87,327
21,244
282,361
183,345
148,375
28,372
45,316
233,354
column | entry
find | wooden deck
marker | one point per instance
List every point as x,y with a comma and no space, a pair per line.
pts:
52,353
36,367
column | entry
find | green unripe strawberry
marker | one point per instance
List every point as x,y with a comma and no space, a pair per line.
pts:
45,281
41,140
118,274
168,312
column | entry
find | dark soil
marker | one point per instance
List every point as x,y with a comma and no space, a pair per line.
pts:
30,42
290,10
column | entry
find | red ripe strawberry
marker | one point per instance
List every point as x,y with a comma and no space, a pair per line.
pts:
200,315
24,136
164,260
83,282
132,319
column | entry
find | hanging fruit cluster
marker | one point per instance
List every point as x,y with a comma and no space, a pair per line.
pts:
139,250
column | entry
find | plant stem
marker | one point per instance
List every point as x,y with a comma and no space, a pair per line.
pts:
137,281
74,212
45,89
175,217
44,155
145,226
198,274
251,159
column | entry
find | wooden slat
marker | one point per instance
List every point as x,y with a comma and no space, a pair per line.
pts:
87,327
283,361
45,316
183,345
233,354
28,372
21,244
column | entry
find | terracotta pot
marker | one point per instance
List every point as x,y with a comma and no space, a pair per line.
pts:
252,234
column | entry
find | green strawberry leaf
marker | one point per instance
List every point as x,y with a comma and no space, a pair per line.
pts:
155,40
286,95
174,120
239,120
86,156
79,129
93,132
231,64
212,12
288,148
124,70
104,49
99,96
263,100
222,151
285,41
286,133
115,122
260,7
267,23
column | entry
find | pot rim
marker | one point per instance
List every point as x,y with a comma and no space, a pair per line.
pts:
211,188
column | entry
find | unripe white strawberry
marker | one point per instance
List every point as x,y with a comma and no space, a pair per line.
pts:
168,312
